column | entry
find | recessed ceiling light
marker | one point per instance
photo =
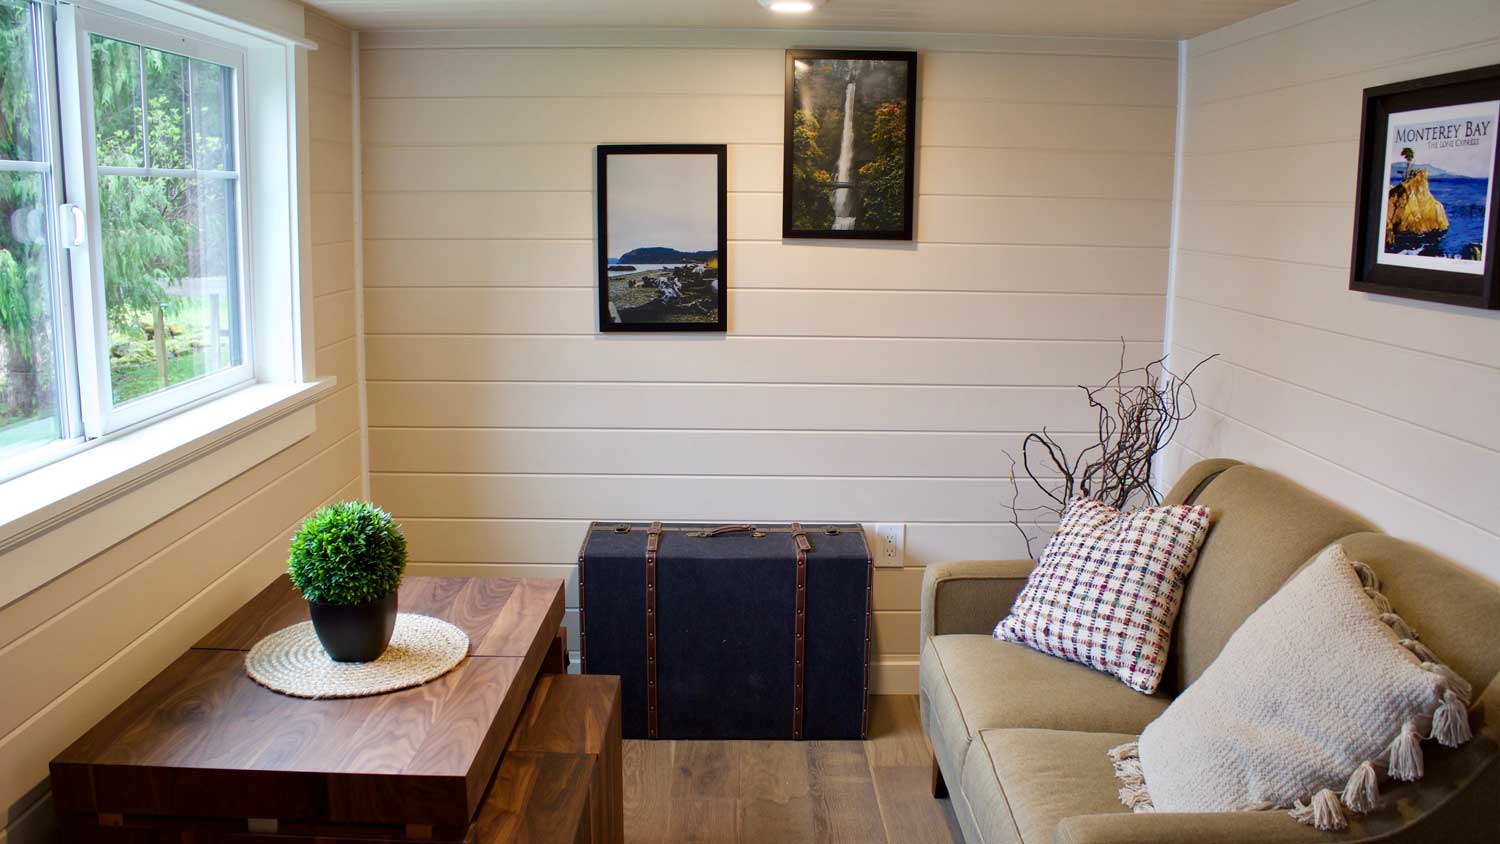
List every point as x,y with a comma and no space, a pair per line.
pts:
791,7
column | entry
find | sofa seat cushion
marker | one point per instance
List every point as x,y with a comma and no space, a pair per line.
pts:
977,682
1020,783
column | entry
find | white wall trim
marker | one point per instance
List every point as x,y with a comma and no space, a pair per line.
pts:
1179,140
1159,471
894,676
758,39
359,268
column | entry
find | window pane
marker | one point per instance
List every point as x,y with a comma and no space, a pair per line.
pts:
28,388
171,288
167,133
20,139
213,147
117,102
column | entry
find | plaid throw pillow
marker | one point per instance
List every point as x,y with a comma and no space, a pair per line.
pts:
1108,587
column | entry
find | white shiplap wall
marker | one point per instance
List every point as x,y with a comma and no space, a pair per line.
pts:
857,382
1386,404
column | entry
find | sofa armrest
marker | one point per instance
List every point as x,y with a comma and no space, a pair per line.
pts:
970,596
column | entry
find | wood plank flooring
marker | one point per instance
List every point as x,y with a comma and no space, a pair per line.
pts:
743,792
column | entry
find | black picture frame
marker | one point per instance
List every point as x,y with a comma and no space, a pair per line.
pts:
1366,273
603,154
788,227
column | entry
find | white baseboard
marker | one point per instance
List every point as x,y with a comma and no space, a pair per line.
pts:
894,676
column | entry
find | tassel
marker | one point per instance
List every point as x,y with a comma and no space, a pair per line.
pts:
1131,778
1128,771
1382,603
1450,723
1136,799
1419,650
1129,750
1367,576
1323,812
1406,754
1127,762
1399,625
1455,683
1362,793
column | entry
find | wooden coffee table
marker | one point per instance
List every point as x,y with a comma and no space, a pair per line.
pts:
202,752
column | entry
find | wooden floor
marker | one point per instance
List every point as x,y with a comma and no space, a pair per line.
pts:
877,790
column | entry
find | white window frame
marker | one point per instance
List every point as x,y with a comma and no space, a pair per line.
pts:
76,27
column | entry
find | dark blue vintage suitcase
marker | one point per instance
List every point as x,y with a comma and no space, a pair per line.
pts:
730,631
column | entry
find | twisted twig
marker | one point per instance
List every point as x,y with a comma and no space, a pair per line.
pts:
1133,425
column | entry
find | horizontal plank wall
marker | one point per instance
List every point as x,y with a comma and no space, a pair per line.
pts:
1385,404
78,646
857,382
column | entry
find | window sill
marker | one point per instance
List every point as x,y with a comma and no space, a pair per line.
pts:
57,516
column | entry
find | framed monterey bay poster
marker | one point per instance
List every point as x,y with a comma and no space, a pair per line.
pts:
1426,220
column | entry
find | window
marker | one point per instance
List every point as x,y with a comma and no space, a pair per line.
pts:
124,281
160,138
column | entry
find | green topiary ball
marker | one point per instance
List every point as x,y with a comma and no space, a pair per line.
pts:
347,553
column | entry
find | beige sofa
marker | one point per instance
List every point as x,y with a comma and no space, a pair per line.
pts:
1019,738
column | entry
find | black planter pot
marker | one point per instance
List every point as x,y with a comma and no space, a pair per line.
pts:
355,633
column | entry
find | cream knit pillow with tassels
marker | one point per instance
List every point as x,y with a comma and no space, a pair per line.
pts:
1318,693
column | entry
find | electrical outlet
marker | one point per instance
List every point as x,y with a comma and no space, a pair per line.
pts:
890,545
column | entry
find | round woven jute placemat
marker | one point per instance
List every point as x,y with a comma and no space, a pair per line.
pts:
293,662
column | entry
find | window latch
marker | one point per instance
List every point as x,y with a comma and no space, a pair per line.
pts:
74,224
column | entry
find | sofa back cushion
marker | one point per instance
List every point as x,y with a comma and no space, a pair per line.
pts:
1265,527
1195,478
1456,612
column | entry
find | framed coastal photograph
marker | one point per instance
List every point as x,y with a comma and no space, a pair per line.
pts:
662,237
1426,221
849,158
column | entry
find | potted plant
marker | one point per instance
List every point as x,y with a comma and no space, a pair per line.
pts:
347,560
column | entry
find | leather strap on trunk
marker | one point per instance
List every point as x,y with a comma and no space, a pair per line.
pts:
799,538
653,544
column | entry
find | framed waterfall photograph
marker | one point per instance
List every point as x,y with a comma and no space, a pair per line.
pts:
849,158
662,237
1426,223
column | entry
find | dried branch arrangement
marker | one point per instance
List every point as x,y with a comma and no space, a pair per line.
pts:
1135,423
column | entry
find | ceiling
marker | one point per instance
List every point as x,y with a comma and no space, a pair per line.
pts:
1157,19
